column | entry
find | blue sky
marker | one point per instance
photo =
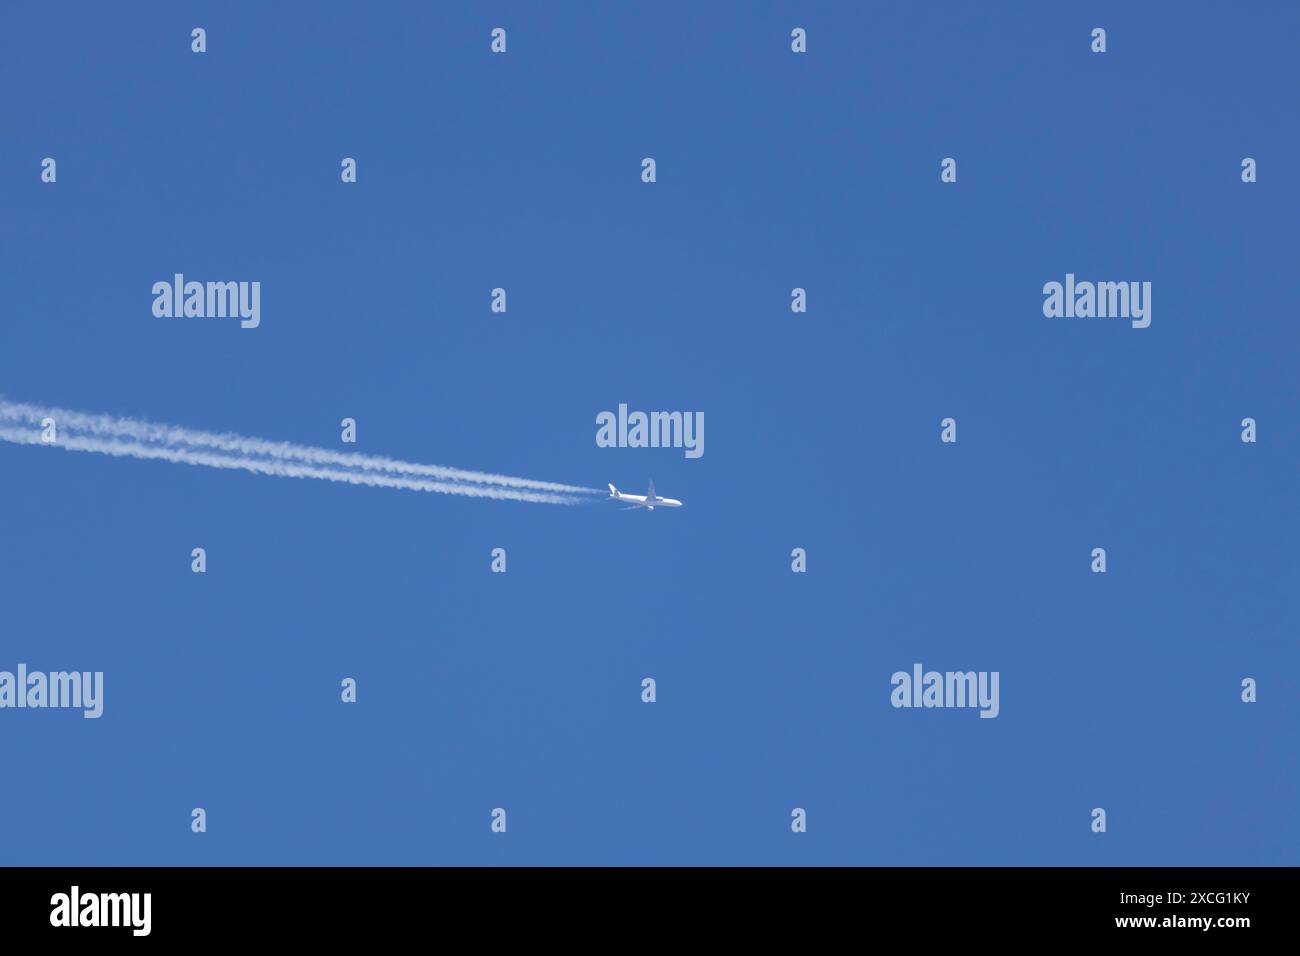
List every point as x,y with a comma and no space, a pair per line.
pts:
522,691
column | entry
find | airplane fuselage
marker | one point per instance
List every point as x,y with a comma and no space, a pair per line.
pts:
651,501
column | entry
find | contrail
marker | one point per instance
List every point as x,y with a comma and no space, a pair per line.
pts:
77,431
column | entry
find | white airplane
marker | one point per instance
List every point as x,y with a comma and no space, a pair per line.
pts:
649,500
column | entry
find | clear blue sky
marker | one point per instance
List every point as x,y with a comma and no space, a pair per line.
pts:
775,170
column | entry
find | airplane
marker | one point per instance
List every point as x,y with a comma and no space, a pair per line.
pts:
649,501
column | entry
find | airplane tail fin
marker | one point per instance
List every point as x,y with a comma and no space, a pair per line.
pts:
613,492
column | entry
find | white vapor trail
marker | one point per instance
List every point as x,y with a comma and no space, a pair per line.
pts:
131,438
